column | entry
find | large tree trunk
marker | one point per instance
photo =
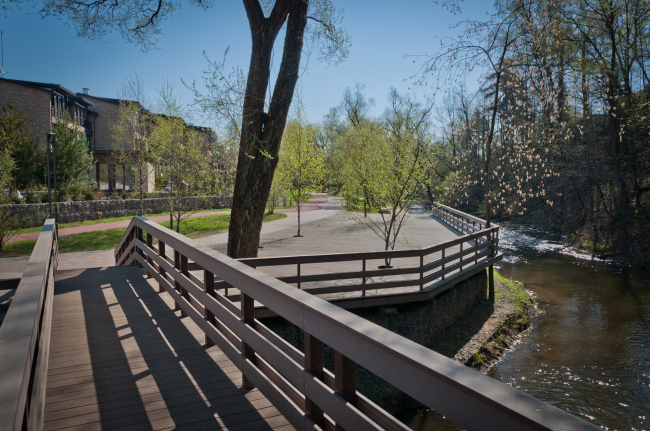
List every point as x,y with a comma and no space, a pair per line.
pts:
261,134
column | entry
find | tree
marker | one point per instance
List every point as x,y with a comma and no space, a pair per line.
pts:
23,149
301,161
263,119
130,134
184,166
399,170
73,159
362,149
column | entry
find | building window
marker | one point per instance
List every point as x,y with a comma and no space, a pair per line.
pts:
129,178
92,175
119,177
103,176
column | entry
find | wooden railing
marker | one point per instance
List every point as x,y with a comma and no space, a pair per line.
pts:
422,268
296,382
25,338
459,220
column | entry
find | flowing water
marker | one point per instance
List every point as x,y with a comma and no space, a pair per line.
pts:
588,352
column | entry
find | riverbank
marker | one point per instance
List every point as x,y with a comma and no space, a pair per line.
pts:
485,334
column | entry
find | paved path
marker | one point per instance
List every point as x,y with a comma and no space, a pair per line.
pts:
325,229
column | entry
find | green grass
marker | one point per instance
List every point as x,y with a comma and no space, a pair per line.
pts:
512,291
101,240
100,221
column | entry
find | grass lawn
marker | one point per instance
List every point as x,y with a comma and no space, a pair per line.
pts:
104,220
196,227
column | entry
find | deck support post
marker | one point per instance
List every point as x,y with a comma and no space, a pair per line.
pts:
491,240
208,279
248,316
161,252
314,364
345,379
184,292
177,286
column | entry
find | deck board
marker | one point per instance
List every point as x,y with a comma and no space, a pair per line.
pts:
122,358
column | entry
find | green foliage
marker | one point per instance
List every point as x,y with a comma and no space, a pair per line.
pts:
73,160
17,143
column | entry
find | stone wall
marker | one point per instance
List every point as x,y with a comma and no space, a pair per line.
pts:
35,214
420,322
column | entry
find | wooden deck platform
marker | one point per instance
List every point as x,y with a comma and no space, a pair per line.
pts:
120,357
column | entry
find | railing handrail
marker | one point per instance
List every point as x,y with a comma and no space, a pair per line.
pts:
463,214
467,397
24,338
367,255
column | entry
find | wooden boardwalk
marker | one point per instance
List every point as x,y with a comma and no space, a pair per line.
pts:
122,358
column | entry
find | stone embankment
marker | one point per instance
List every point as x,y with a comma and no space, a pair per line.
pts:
35,214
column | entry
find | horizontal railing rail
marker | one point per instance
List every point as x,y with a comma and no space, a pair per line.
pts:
298,385
454,255
25,338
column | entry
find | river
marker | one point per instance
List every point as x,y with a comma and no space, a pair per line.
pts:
588,351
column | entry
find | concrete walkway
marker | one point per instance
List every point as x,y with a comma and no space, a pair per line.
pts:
325,229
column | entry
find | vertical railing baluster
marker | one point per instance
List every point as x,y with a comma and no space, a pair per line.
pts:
149,259
345,379
421,271
208,280
314,364
443,263
184,292
461,256
299,276
363,274
163,273
177,286
248,316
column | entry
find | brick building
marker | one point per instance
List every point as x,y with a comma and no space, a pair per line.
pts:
44,103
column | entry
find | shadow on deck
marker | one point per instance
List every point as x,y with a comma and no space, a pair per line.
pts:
121,358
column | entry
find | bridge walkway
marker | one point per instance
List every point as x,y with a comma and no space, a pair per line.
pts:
121,357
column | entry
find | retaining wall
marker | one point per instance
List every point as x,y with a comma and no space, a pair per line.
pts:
35,214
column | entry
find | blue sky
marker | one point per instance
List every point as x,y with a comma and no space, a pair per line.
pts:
382,32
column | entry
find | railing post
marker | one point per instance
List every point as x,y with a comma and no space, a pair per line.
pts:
139,234
177,286
248,316
491,238
208,279
184,292
149,259
421,271
345,379
298,276
443,264
161,252
461,257
363,274
314,364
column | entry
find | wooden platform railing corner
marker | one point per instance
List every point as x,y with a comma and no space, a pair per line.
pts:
25,338
297,383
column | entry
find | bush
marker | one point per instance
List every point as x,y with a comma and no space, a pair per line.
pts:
89,195
63,195
32,197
